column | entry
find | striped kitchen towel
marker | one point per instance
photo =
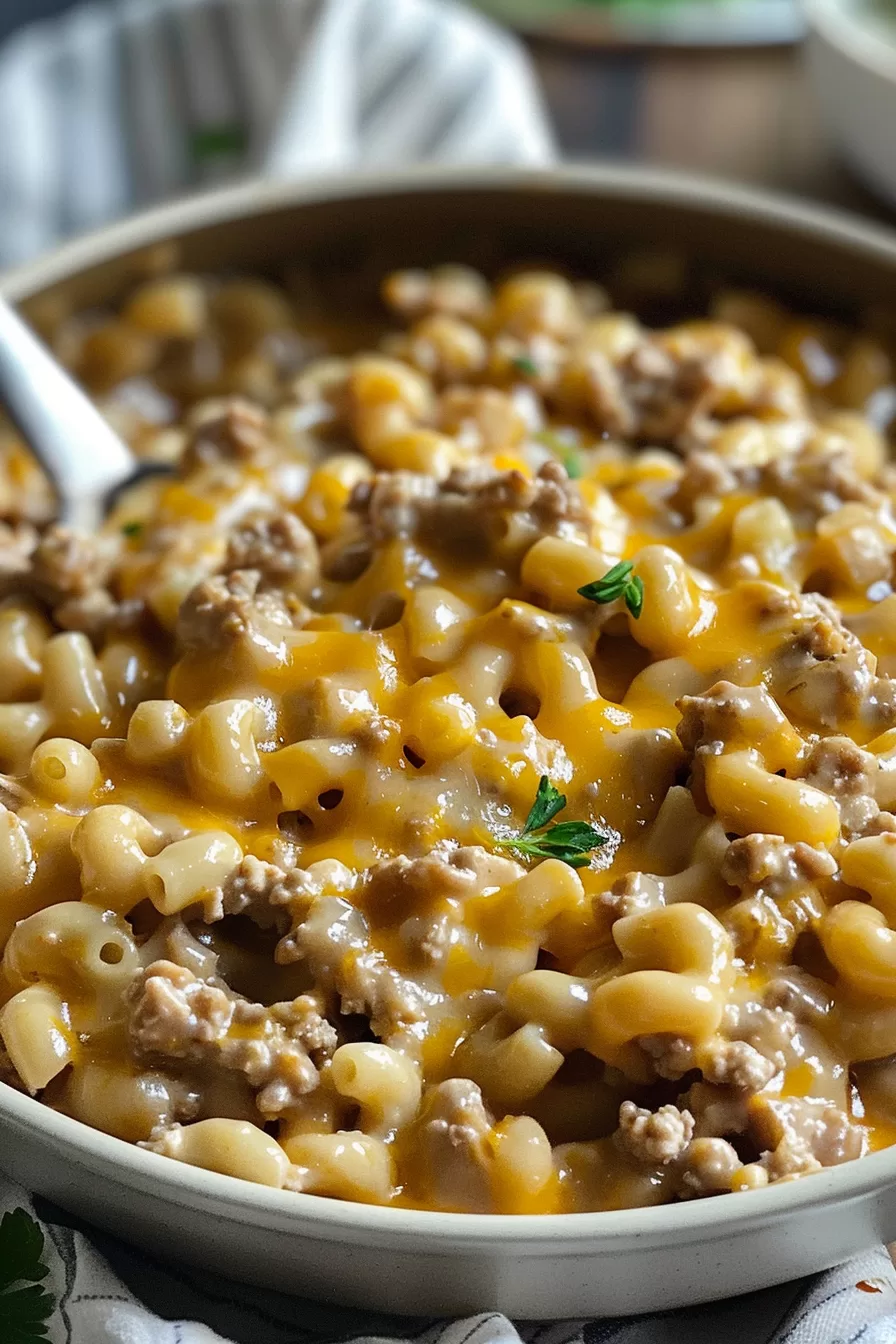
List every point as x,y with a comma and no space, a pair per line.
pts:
122,103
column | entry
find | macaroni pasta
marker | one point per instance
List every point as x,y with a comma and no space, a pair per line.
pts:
465,781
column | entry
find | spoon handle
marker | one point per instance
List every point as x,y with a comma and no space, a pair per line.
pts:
83,457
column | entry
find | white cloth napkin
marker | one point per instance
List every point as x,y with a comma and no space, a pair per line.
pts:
126,102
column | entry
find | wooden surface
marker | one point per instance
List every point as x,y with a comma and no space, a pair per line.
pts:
747,115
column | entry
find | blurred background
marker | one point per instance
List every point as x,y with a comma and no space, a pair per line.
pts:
718,86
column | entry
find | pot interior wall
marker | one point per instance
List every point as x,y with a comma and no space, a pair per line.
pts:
338,250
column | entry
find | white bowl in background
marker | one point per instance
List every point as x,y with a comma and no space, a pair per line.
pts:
851,53
634,1260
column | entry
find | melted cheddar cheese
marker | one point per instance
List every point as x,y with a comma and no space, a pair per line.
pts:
355,843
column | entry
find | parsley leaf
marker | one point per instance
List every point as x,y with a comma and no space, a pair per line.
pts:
132,529
569,841
23,1310
548,802
617,582
21,1246
24,1313
525,364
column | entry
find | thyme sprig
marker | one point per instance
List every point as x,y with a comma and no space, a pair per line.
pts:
617,582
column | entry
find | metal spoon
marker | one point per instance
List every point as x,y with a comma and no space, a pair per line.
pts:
86,461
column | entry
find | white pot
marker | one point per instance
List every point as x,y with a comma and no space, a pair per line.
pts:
433,1263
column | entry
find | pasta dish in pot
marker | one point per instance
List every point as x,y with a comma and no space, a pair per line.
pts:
468,781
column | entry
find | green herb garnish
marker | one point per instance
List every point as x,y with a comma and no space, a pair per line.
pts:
617,582
572,461
23,1310
132,529
564,453
525,364
569,841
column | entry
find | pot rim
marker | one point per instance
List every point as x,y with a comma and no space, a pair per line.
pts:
614,181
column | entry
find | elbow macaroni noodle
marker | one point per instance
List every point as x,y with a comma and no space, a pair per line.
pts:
269,740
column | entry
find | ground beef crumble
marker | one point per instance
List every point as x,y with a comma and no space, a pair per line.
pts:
736,1064
803,1134
671,1056
840,768
230,430
771,866
771,1031
257,889
71,574
404,885
175,1015
333,940
632,894
499,512
822,676
811,480
277,546
273,892
653,1138
817,481
728,715
653,395
220,611
705,475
